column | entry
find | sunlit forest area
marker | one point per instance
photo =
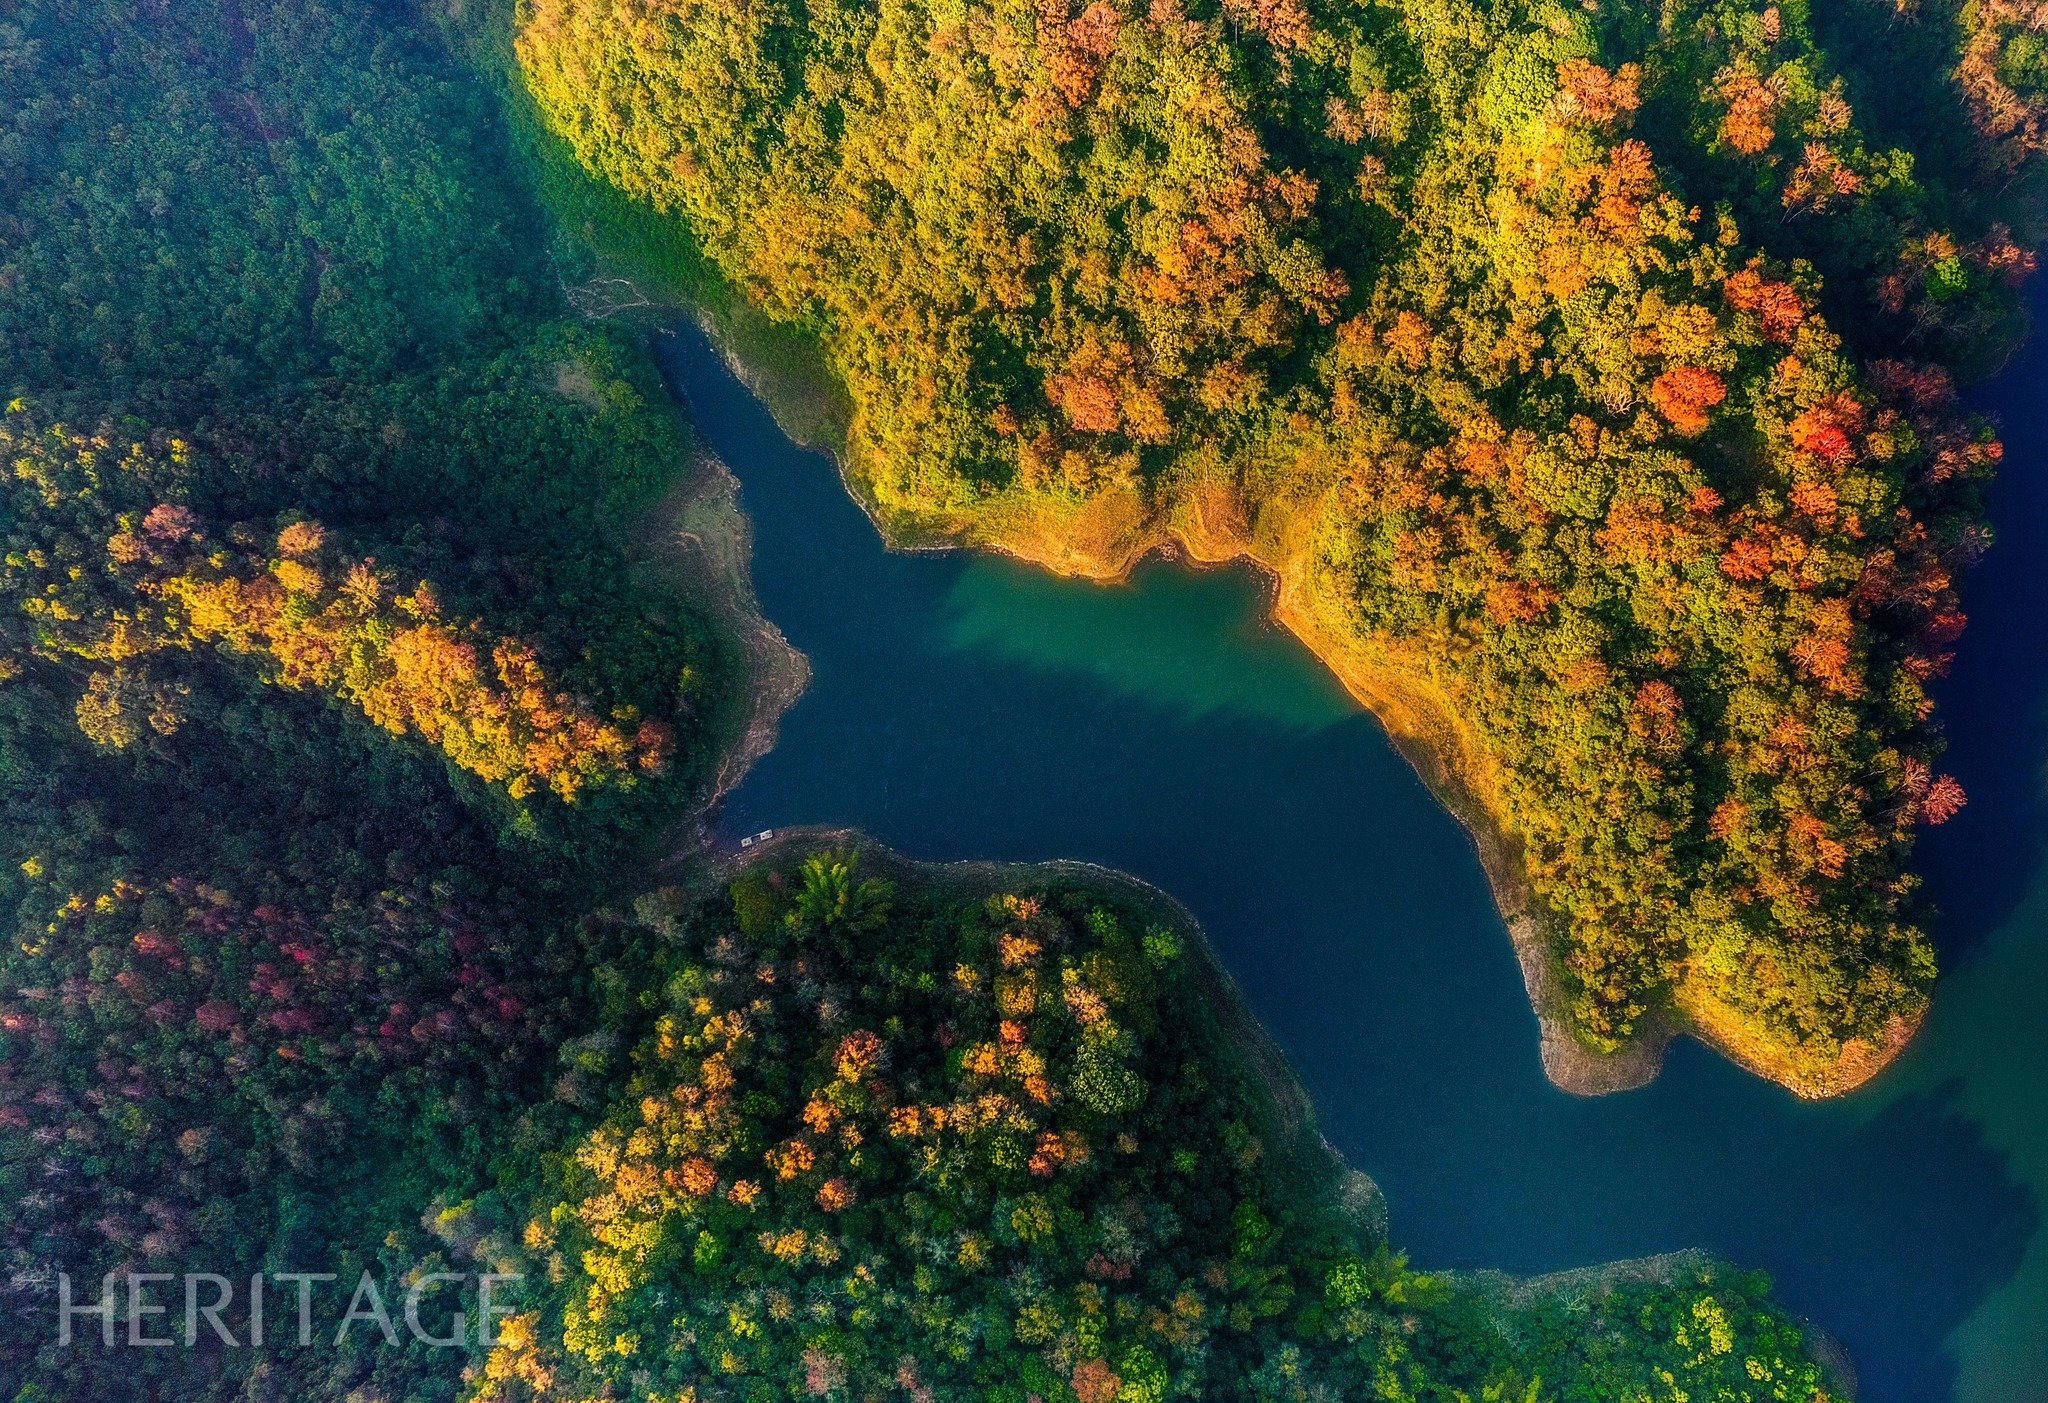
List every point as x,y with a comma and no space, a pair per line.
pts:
1603,363
910,1144
1591,369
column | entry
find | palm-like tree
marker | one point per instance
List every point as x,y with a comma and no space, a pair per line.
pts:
831,896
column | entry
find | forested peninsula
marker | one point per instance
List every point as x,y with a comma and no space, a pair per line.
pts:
357,732
1584,373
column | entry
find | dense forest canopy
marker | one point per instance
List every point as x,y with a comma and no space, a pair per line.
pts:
329,696
1591,366
336,719
927,1145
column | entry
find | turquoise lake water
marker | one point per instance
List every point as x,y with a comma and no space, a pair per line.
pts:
968,706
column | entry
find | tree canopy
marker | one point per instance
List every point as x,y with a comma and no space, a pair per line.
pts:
329,695
904,1141
337,720
1588,367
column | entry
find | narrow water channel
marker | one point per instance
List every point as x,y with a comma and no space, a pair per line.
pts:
967,706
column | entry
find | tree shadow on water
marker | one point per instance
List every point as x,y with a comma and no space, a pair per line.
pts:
1953,1225
1993,708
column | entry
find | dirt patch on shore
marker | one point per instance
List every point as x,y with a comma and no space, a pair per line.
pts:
1581,1284
570,379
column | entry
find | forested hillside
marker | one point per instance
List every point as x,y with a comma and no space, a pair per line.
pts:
337,724
1585,371
920,1142
329,698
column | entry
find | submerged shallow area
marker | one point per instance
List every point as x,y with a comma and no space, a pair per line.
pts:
973,707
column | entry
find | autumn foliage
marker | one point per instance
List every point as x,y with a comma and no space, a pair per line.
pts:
337,625
1684,395
908,1141
313,618
226,1035
1560,361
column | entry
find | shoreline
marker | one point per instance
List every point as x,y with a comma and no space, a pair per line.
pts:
1422,726
791,381
698,537
699,534
1320,1170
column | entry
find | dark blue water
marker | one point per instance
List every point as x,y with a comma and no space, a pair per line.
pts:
971,707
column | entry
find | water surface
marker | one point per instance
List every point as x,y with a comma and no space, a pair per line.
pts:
968,706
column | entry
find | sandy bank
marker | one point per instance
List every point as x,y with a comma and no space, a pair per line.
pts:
697,537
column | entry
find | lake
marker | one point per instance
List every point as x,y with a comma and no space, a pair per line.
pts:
969,706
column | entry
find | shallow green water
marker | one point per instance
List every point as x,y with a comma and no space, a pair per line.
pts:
1014,614
974,707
